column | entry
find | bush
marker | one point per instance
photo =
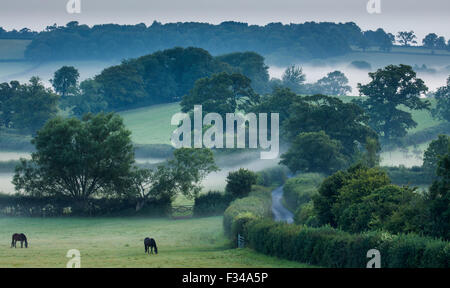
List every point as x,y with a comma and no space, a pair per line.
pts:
257,204
305,215
329,247
212,203
239,183
300,189
275,176
30,206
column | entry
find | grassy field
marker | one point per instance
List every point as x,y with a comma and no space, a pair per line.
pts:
118,242
151,125
13,49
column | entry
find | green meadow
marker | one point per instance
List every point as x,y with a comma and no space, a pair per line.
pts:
119,242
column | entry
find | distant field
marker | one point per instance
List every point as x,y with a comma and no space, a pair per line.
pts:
380,59
151,125
118,242
402,49
13,49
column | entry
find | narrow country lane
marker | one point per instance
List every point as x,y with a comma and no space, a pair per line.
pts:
279,211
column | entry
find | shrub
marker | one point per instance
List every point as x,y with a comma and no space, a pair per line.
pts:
212,203
275,176
300,189
305,215
329,247
239,183
258,204
31,206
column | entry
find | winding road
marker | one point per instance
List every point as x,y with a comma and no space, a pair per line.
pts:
280,212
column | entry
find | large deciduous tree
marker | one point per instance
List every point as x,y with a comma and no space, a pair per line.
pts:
341,121
439,200
442,96
314,152
334,84
181,175
65,80
406,38
437,149
26,106
390,88
293,78
77,158
221,93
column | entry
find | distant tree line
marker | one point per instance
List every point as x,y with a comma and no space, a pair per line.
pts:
24,33
112,41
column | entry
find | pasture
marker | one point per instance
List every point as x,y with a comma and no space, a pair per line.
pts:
118,242
151,125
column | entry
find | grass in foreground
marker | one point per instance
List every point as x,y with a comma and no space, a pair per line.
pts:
118,242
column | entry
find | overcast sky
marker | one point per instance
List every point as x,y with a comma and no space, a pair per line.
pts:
422,16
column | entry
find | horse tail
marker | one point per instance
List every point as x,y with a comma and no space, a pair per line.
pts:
156,248
12,241
25,239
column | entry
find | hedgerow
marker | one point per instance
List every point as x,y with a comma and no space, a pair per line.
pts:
331,247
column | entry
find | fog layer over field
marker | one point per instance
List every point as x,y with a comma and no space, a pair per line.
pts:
23,71
5,183
355,76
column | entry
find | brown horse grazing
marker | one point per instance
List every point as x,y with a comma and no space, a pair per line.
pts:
149,244
19,237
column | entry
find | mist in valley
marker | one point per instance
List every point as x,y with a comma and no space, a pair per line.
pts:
315,72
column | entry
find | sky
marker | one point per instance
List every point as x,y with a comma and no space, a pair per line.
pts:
422,16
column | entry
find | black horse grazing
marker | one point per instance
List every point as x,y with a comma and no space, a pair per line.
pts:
19,237
149,244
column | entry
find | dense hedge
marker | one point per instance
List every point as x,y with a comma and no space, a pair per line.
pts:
19,205
256,205
298,191
275,176
329,247
212,203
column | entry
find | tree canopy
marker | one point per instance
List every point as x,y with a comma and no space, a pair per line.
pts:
26,106
314,152
345,122
442,96
239,183
77,158
389,88
221,93
76,41
162,77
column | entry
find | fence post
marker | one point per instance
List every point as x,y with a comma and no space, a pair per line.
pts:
240,241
